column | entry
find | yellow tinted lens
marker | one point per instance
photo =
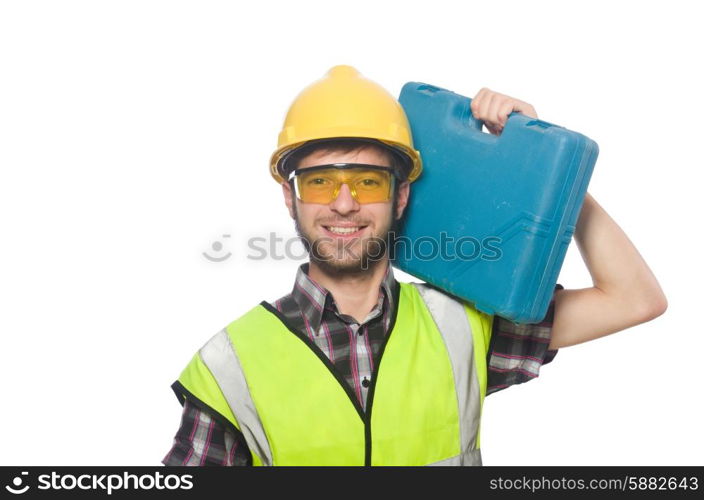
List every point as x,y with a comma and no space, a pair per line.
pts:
322,186
317,186
371,186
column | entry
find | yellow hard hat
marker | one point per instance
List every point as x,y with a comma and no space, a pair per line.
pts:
344,104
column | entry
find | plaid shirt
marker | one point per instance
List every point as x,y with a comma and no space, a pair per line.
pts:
516,353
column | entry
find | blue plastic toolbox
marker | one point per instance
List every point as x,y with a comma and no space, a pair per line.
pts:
490,218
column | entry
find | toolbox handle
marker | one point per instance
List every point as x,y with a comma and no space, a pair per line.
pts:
475,124
457,106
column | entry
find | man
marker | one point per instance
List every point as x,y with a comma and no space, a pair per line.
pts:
353,367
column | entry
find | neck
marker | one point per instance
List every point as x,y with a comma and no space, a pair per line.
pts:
355,294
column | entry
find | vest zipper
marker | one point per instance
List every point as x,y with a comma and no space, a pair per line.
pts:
375,375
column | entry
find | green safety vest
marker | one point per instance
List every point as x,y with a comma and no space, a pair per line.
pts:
270,382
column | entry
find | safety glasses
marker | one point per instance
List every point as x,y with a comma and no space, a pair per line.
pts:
322,183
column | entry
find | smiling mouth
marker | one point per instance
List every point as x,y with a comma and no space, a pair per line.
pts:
344,230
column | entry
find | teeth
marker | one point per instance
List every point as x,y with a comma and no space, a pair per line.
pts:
343,230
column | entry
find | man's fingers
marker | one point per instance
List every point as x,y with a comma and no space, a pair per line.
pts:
525,108
488,107
495,116
494,130
505,109
493,109
478,102
485,106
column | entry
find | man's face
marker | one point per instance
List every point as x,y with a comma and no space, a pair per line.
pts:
332,250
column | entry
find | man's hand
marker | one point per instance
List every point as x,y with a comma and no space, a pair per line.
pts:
493,109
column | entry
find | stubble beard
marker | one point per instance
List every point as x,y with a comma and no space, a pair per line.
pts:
341,258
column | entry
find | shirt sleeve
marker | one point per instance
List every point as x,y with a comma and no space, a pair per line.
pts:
203,440
517,351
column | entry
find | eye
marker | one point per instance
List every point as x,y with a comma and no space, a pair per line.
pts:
370,182
318,181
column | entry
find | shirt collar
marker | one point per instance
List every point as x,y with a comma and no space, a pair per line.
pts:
312,298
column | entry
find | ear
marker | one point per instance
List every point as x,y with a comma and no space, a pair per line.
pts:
288,198
404,191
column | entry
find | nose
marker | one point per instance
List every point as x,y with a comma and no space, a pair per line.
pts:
345,202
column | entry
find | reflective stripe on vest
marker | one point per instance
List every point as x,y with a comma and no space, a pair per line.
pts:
294,408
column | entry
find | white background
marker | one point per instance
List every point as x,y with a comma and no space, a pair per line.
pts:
134,134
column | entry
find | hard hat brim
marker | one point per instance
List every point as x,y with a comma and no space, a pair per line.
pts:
408,160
